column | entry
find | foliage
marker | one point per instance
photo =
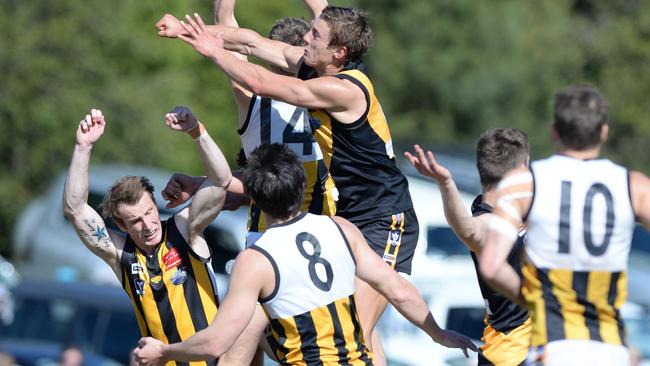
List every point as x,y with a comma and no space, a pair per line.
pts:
444,70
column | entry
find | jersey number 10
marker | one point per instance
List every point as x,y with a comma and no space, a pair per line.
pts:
565,218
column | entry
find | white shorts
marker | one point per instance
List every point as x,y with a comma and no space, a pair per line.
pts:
579,352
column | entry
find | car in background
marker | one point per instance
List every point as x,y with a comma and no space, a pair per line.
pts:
99,319
449,287
46,245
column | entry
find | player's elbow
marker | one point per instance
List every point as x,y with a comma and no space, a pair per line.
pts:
70,208
256,85
402,293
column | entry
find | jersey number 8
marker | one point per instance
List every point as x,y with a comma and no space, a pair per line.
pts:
315,259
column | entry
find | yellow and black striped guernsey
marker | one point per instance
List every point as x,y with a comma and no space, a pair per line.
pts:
507,325
360,157
580,227
174,292
312,311
329,335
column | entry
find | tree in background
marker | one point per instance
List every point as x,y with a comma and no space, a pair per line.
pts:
445,71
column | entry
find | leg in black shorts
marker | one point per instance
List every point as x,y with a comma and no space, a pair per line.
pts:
393,238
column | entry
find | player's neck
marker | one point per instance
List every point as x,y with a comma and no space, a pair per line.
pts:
586,154
490,196
277,221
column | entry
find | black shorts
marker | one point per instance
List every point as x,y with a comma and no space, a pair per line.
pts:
394,238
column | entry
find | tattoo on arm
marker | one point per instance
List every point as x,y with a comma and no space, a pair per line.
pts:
96,233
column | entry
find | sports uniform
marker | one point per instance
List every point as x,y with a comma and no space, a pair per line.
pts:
312,311
507,325
580,226
173,291
373,192
273,121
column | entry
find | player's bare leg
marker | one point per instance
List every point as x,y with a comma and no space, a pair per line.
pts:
370,306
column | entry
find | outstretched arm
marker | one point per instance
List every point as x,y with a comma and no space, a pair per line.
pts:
330,93
244,41
514,197
208,201
87,222
249,274
469,229
316,7
224,15
398,291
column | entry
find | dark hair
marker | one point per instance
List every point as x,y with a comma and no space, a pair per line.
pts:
126,190
580,112
499,150
275,180
289,30
348,28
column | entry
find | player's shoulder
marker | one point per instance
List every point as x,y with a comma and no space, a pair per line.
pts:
520,178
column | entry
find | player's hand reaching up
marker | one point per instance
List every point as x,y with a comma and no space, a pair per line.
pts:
91,128
181,119
427,165
196,34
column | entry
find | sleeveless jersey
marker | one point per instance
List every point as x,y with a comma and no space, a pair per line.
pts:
312,311
272,121
360,158
174,291
580,227
502,314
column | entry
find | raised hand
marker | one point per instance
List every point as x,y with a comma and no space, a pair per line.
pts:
180,188
169,26
181,119
91,128
427,165
452,339
196,34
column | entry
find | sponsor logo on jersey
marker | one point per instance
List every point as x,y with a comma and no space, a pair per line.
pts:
138,285
172,259
156,282
179,277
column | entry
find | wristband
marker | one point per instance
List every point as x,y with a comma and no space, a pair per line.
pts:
202,136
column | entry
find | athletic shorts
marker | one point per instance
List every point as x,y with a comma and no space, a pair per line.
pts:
579,352
505,349
394,238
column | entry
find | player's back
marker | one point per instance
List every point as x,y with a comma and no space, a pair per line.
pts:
272,121
579,231
312,309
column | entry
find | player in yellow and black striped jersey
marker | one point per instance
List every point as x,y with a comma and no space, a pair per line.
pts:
507,326
304,276
580,211
173,290
164,266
